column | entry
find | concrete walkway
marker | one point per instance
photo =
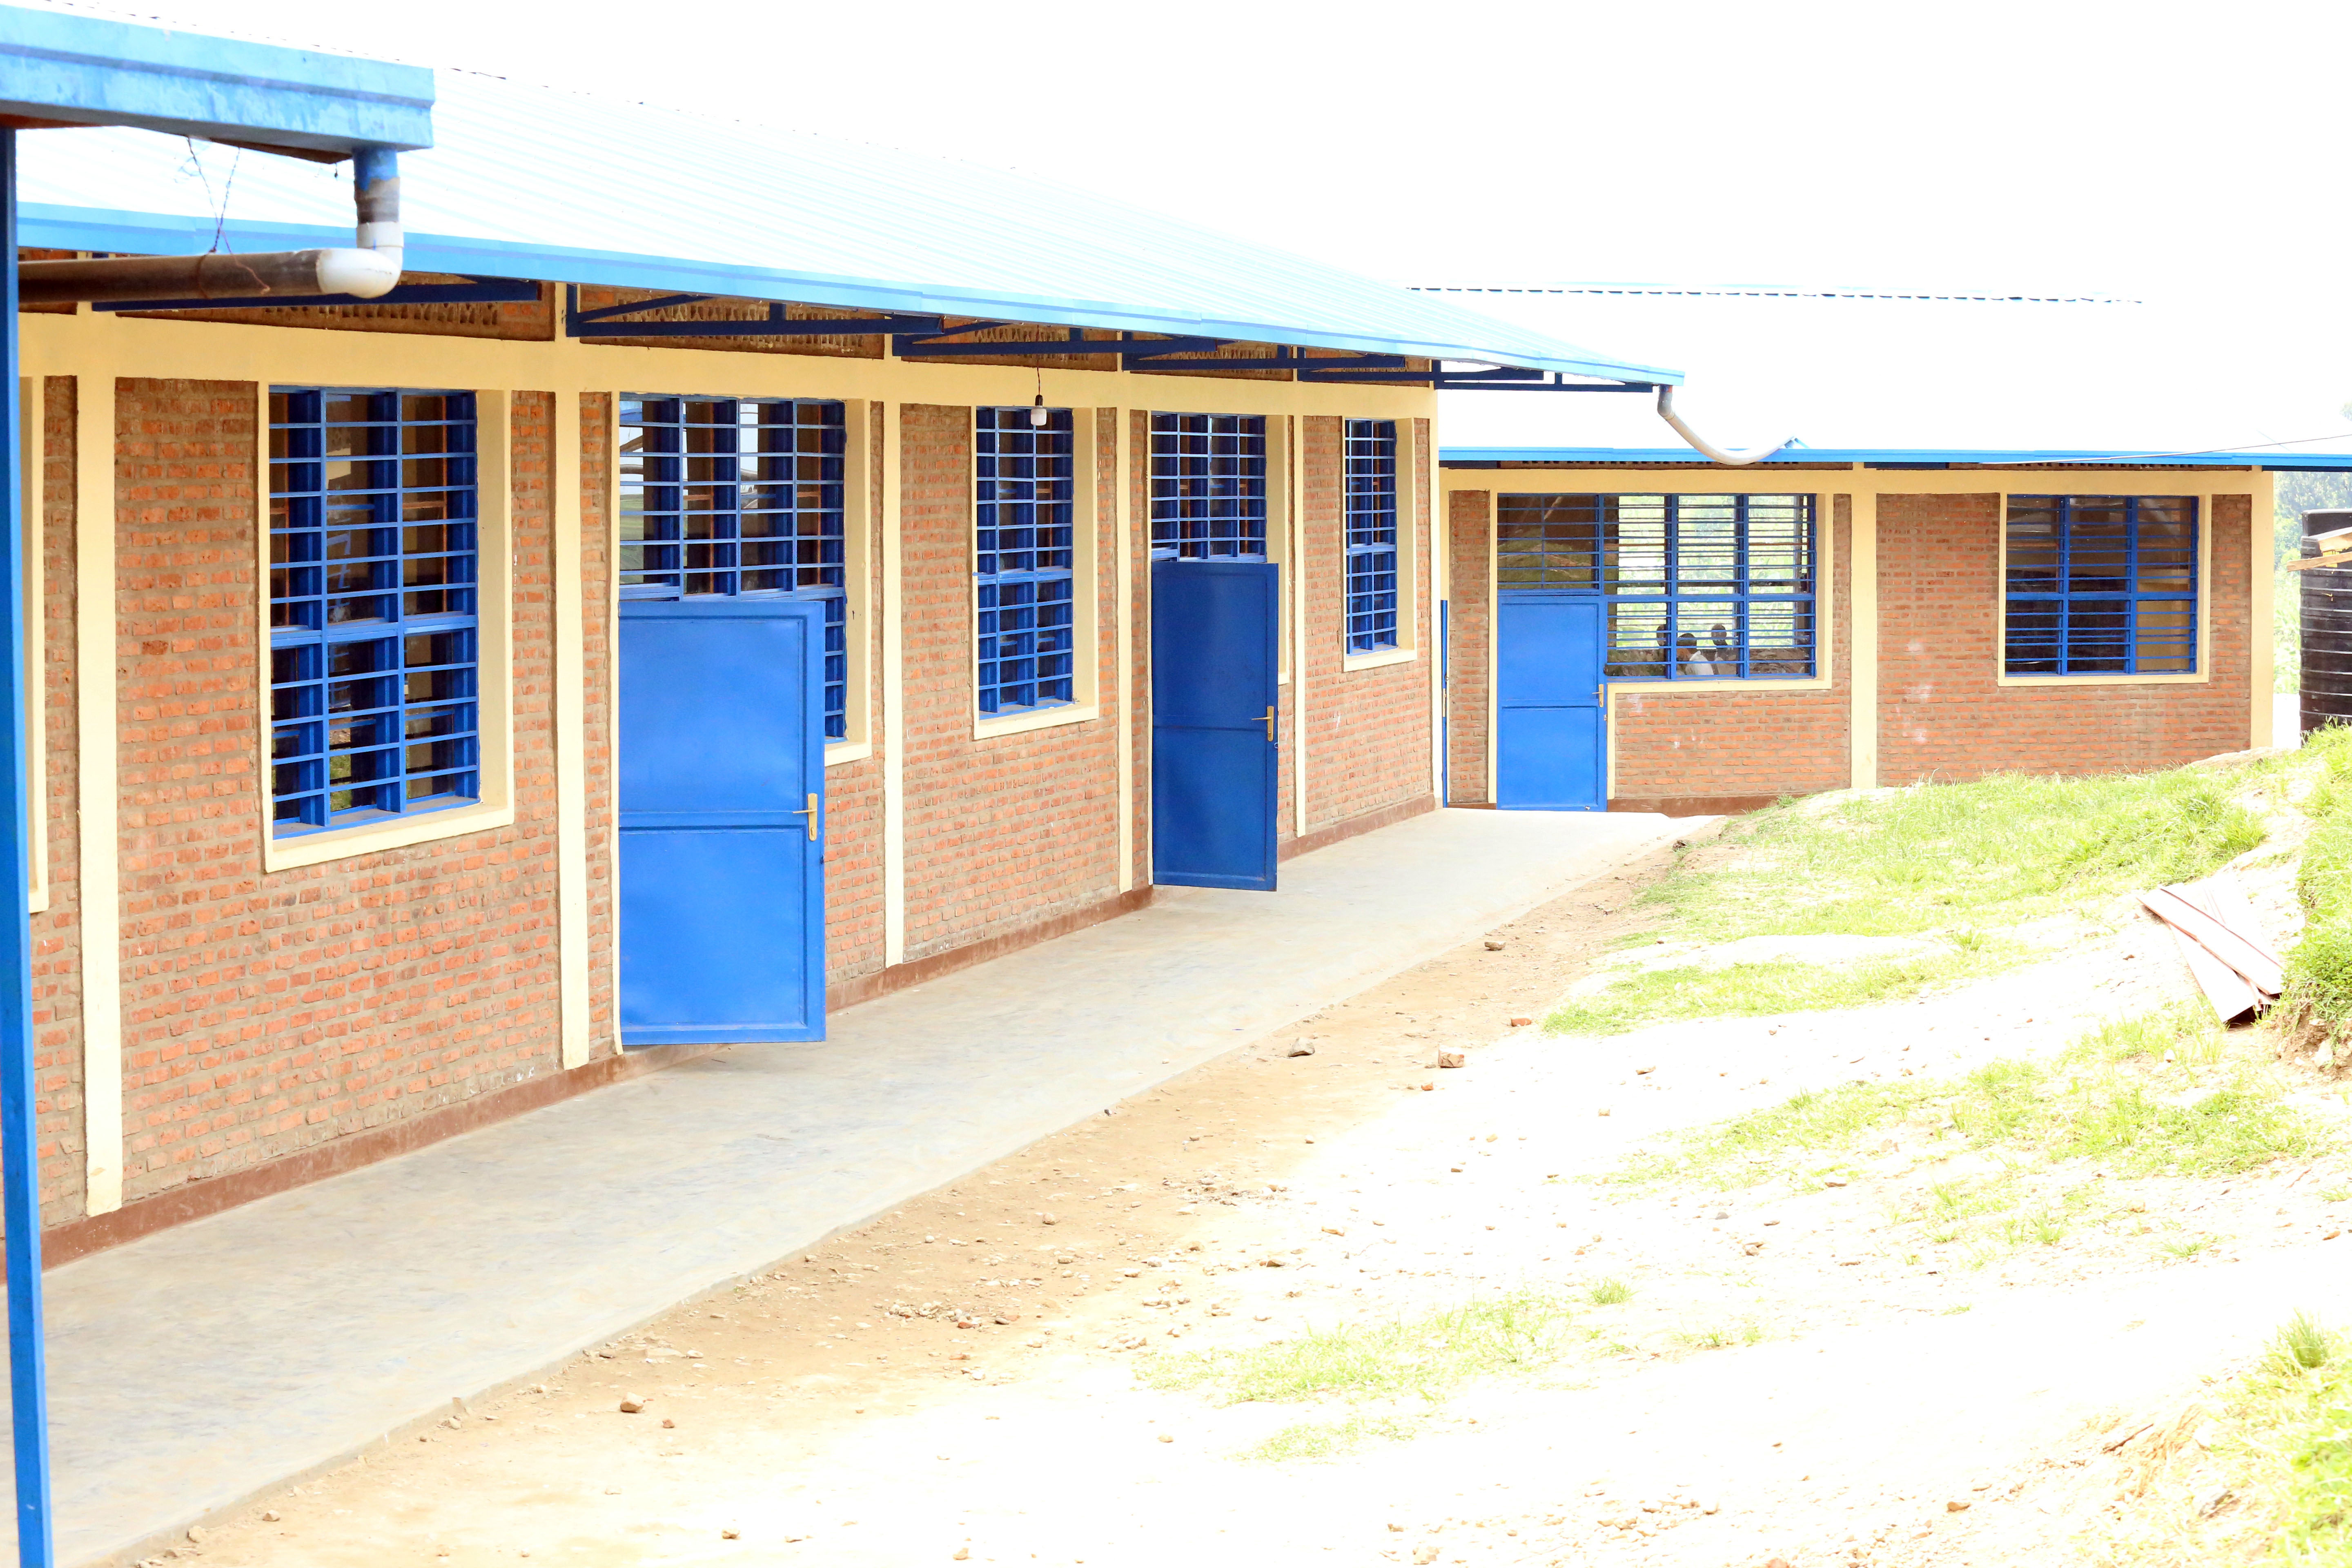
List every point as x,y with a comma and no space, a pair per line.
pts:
192,1369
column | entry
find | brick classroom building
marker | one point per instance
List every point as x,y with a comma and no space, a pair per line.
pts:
643,631
1647,630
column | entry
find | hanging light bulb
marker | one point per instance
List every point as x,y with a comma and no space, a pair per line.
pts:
1037,409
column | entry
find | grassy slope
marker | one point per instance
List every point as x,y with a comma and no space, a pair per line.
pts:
1959,865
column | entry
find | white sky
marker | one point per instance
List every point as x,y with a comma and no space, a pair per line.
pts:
2193,156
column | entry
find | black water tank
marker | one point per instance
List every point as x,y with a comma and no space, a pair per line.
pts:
2326,629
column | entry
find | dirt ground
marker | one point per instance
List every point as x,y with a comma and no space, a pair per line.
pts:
1793,1377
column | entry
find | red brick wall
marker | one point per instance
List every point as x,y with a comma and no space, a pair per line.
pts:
1941,714
1005,832
57,932
1367,731
1756,740
854,935
1469,664
267,1014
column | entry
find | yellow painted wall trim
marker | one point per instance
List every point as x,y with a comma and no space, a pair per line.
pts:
1863,722
494,646
1352,662
2263,517
1293,482
225,351
842,752
571,734
1123,644
99,728
894,691
1044,719
32,399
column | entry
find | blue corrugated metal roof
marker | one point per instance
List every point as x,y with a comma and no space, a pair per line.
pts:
1898,458
532,182
55,66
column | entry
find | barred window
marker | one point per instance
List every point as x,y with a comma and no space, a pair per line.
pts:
373,620
1023,557
1208,487
739,496
1371,497
2101,585
1697,587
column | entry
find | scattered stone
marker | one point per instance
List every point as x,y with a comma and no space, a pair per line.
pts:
1008,1317
631,1404
1429,1554
1048,1219
1493,946
1428,1085
196,1532
1300,1049
2214,1502
1957,1505
962,1553
669,1422
1604,1111
1165,1437
1449,1058
730,1534
1335,1230
1521,1023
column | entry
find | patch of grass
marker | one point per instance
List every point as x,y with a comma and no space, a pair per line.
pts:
1955,1311
2190,1117
2187,1246
1329,1439
1748,1332
1756,990
1609,1292
1427,1356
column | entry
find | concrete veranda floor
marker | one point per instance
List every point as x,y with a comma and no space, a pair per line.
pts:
192,1369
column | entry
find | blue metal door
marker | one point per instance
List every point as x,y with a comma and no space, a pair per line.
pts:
721,778
1216,627
1551,711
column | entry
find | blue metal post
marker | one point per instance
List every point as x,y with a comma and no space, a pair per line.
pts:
20,1187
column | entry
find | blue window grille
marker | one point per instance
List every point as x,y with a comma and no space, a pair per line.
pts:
739,496
1371,497
373,622
1023,558
1208,487
1697,587
2101,585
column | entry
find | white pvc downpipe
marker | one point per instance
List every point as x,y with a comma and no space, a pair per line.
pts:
1706,449
366,272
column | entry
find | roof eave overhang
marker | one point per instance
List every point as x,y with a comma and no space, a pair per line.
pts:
57,68
153,234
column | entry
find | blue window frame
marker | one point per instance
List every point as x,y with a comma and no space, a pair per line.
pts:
1208,487
2100,586
739,496
1371,497
1698,587
1023,560
375,633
